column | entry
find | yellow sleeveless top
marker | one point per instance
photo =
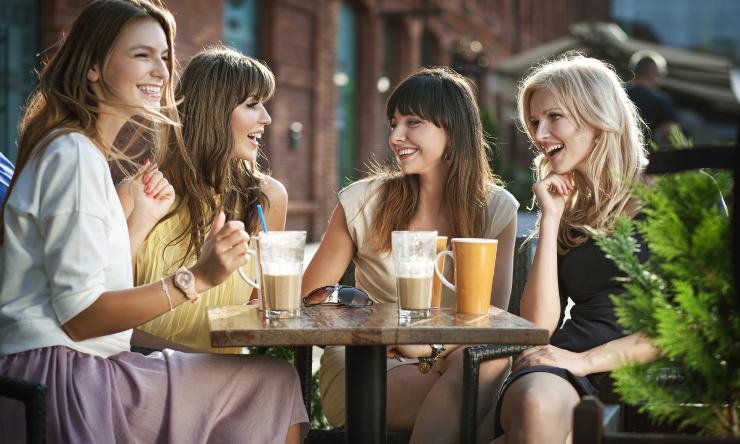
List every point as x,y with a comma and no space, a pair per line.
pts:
187,324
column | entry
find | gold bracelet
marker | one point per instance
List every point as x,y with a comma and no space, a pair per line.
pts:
166,290
426,364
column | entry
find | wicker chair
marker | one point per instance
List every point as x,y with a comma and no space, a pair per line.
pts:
33,396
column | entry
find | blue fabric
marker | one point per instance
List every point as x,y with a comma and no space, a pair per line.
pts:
6,173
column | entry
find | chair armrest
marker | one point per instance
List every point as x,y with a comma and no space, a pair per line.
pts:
33,396
472,357
588,417
591,419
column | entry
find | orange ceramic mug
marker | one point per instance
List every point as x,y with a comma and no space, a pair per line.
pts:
474,261
437,284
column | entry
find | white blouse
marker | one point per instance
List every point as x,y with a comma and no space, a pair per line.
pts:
65,243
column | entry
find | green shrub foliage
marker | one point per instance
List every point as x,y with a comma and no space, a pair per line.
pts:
683,298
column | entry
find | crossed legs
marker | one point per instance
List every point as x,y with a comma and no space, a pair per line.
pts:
431,404
538,408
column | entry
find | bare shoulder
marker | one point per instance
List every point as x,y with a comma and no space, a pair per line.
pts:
274,190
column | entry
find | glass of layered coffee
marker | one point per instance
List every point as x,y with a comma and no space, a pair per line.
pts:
281,258
413,263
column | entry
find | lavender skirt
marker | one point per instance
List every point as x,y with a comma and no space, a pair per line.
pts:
164,397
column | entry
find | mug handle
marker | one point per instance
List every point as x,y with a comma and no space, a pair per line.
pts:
254,284
439,273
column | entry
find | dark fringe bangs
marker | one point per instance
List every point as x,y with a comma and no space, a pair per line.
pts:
422,95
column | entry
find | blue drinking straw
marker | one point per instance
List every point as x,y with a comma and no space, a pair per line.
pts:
262,218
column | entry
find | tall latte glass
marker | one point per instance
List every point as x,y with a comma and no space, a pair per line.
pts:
413,263
281,257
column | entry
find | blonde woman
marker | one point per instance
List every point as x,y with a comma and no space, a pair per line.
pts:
587,135
441,181
67,306
221,98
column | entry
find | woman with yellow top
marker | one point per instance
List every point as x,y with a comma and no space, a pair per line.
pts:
221,99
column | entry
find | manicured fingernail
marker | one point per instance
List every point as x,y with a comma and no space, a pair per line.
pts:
155,196
146,180
146,162
148,190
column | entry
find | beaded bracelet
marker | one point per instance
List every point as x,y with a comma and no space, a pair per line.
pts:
166,290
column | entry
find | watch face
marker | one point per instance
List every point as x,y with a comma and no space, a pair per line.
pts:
184,279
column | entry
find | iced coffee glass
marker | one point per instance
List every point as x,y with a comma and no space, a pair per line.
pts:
281,257
413,262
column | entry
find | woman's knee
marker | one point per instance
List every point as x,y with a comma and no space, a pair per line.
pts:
535,403
536,399
523,398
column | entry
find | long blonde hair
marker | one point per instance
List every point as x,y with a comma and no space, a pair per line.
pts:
445,98
593,95
64,99
203,164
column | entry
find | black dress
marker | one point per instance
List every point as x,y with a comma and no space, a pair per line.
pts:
587,277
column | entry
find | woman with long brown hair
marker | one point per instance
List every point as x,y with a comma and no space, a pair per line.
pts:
221,97
66,303
441,181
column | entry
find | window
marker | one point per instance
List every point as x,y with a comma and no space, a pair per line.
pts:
241,25
19,31
345,78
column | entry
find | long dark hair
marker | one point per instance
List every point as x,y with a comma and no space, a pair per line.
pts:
445,98
203,165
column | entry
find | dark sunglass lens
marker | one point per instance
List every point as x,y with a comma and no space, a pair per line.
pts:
354,297
318,296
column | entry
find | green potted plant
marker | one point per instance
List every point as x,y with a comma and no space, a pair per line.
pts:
684,299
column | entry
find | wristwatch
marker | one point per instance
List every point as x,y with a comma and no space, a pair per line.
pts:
426,364
185,282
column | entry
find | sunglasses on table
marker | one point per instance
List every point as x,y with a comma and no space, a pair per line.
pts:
338,295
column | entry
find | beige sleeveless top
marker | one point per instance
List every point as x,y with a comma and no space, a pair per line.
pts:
374,271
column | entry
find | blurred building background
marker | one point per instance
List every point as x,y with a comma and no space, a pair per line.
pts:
336,61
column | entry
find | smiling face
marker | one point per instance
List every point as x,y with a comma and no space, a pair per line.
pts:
418,144
136,69
566,145
248,122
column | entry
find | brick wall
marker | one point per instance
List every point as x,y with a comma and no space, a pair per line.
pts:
299,42
199,23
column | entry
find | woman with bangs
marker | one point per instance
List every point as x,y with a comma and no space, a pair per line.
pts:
67,305
440,180
590,149
221,98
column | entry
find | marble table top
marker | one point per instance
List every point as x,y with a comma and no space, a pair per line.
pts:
244,325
